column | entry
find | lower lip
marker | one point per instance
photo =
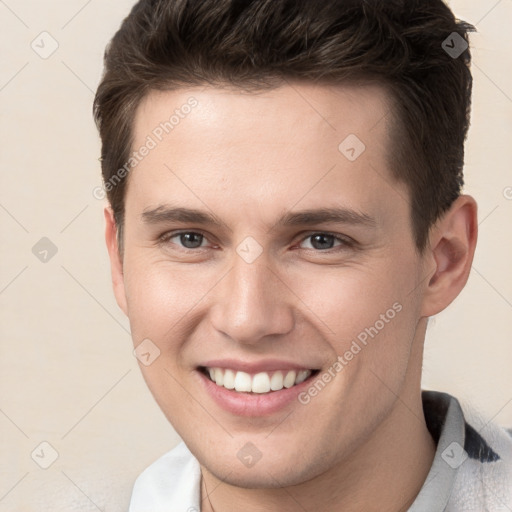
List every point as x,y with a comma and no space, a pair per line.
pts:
252,404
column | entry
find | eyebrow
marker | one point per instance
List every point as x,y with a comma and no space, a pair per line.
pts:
167,213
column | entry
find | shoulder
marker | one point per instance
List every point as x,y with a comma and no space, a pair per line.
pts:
172,482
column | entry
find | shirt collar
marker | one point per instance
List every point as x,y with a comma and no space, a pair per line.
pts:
445,422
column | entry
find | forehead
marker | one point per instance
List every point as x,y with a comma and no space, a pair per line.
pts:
294,111
298,142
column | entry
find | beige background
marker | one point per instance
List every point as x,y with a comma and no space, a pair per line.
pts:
67,373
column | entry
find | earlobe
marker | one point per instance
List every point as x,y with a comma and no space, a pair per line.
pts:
116,263
452,248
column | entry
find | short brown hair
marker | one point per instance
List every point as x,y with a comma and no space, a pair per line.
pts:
168,44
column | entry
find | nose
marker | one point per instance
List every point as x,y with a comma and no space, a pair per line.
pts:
252,302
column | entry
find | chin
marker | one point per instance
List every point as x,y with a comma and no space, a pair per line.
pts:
264,477
270,472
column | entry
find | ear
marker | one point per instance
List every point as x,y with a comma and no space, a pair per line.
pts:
450,253
116,263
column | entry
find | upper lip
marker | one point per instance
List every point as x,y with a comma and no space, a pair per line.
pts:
265,365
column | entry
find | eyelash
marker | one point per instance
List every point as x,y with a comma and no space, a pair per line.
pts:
346,242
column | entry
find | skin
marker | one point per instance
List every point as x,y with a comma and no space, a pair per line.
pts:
361,443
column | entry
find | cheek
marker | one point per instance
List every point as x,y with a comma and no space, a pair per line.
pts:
367,314
160,296
344,301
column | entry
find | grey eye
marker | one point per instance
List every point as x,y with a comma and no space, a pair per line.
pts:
191,240
322,241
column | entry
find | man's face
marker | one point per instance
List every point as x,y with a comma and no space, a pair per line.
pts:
257,295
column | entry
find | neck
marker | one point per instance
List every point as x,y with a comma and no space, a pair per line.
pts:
384,474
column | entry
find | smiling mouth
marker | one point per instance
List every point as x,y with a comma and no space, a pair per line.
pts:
259,383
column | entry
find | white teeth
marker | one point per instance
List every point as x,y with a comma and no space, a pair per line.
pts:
276,382
242,382
289,380
219,376
301,376
229,379
261,383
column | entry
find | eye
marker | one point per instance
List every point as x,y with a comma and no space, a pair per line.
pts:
324,241
193,240
189,240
